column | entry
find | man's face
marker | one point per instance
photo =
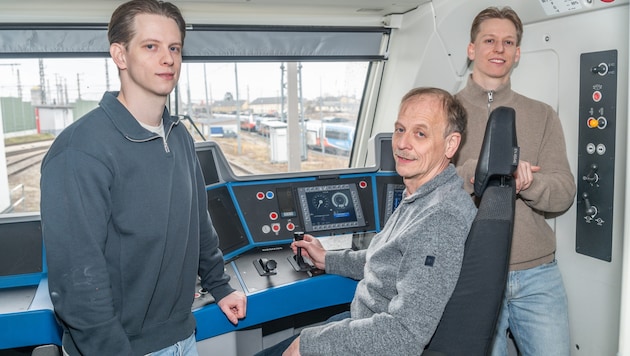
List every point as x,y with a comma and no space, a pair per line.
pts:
153,57
420,149
494,51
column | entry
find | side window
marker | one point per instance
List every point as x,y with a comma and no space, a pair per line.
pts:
38,99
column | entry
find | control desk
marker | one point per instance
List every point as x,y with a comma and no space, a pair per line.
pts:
256,219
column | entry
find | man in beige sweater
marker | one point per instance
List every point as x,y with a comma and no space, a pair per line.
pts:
535,303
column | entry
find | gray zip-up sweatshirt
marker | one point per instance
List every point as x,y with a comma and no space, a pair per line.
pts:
127,231
407,275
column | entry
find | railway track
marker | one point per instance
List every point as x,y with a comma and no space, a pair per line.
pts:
24,156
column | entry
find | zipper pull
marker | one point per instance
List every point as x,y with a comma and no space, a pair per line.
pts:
165,145
490,100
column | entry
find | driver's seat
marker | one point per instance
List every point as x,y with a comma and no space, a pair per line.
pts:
468,324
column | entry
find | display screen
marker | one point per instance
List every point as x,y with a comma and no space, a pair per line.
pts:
225,221
393,197
21,251
285,202
208,166
330,207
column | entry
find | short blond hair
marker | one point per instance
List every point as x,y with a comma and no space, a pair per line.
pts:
494,12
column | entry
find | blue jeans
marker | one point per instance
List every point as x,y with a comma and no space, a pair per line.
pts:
186,347
536,313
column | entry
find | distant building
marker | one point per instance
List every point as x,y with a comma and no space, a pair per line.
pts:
269,106
53,118
336,104
229,106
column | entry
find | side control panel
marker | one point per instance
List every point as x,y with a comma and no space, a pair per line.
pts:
596,154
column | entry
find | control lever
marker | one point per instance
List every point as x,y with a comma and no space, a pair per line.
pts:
591,210
265,267
299,236
297,262
592,176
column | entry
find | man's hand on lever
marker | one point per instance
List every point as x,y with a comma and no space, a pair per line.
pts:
312,249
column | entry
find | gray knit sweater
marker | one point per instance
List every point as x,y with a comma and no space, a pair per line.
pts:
541,143
407,275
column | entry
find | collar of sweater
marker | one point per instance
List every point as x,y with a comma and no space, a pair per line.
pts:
126,123
478,96
442,178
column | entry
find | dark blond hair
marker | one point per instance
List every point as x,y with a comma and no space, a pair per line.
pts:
455,112
493,12
121,25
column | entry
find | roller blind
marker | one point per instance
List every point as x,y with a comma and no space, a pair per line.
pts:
205,42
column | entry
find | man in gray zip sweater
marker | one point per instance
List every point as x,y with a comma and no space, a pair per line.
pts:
124,206
409,271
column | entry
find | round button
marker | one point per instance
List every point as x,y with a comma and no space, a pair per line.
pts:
269,195
592,122
290,226
597,96
275,227
273,215
362,184
260,196
601,149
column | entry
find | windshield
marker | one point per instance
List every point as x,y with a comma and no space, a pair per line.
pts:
243,106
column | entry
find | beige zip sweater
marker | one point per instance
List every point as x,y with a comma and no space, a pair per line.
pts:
541,141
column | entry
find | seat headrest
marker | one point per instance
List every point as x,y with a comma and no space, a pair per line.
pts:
499,151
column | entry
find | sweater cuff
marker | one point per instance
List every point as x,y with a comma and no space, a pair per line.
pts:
221,291
332,261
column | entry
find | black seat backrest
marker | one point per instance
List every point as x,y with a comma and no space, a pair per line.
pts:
469,320
499,151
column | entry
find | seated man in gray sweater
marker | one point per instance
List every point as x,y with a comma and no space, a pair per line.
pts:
409,271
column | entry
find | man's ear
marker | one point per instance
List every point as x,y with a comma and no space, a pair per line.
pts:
452,144
118,53
470,51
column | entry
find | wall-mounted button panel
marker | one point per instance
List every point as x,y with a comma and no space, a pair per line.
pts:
596,155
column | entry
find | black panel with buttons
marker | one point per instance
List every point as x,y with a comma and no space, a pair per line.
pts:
273,210
596,154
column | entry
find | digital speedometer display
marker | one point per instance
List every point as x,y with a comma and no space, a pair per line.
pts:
330,207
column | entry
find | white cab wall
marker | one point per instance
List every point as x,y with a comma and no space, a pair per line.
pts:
429,49
593,285
624,332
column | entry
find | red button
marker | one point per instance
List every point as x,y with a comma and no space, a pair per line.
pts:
597,96
273,215
362,184
290,226
260,196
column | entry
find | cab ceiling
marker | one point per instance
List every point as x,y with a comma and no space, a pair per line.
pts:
232,12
